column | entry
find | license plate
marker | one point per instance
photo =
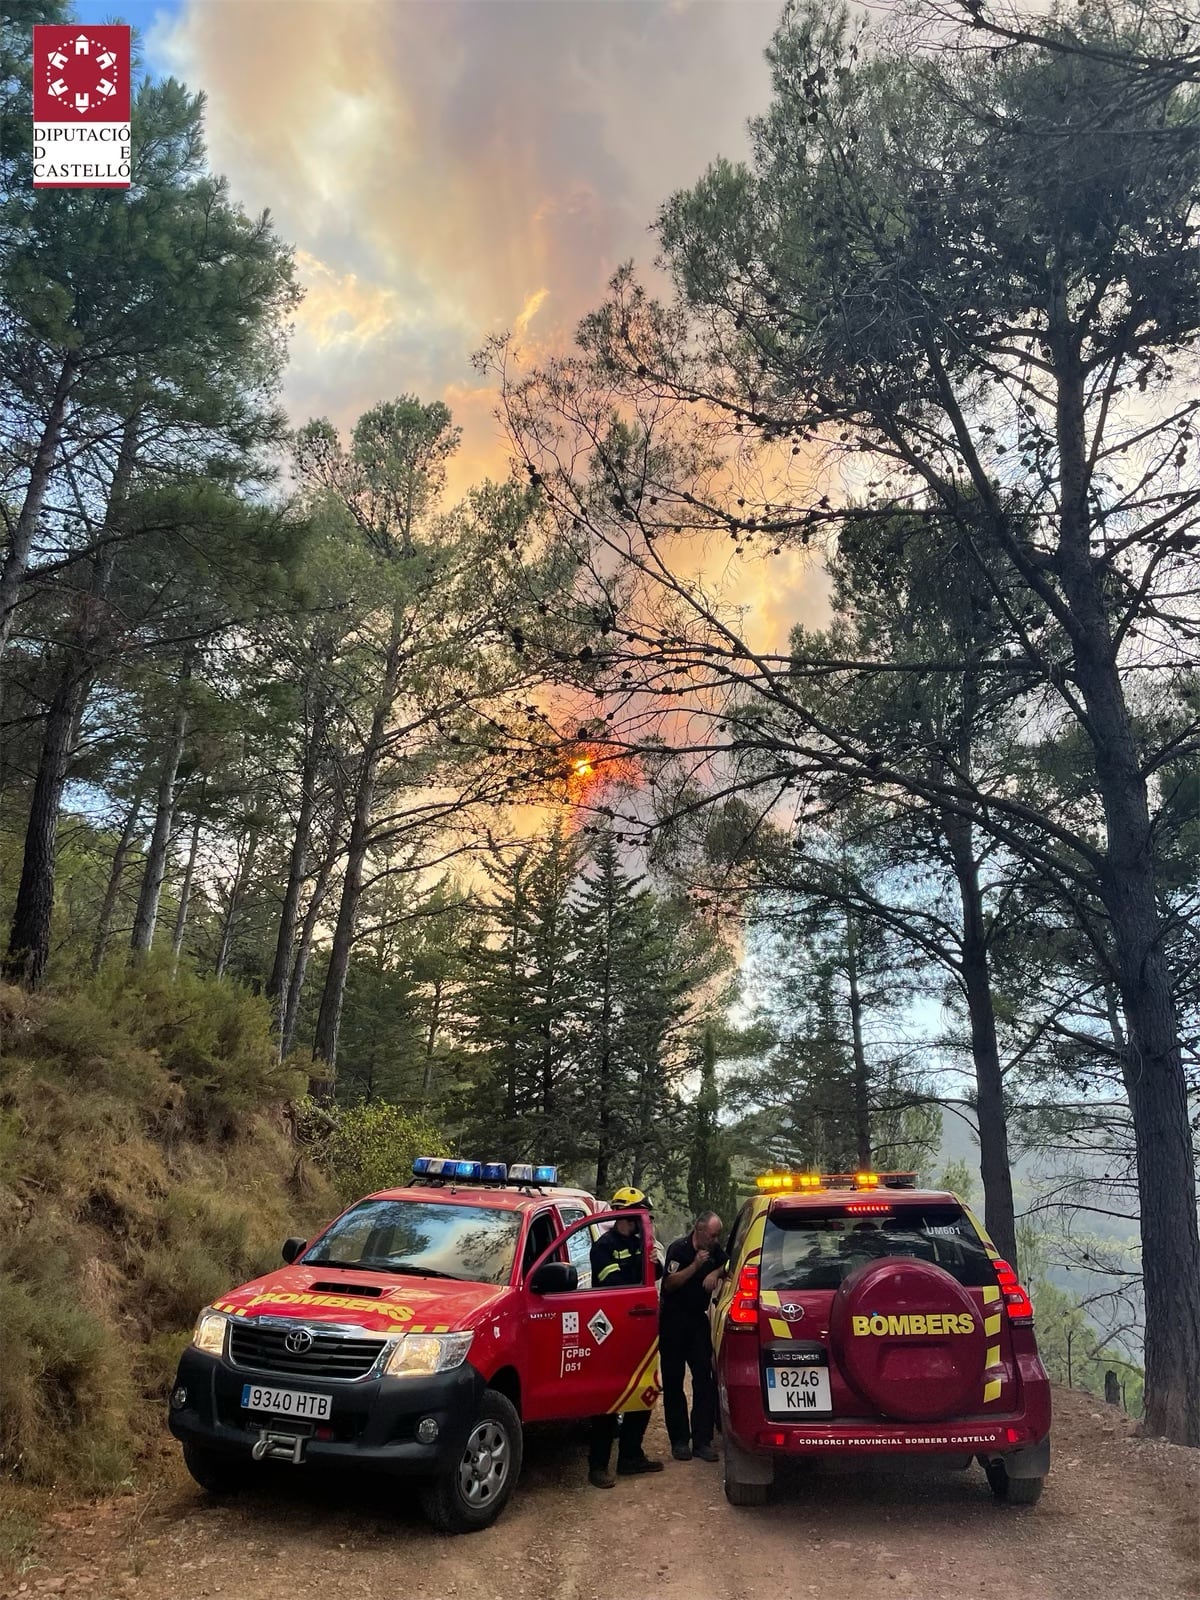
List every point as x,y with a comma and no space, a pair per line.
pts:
798,1391
285,1402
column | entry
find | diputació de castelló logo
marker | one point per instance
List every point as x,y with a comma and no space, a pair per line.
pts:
81,99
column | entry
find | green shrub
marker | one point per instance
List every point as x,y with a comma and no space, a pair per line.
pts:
212,1039
366,1147
65,1389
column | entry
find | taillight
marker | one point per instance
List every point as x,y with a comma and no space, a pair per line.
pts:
1020,1306
743,1308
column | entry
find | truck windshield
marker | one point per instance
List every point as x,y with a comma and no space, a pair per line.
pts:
811,1248
473,1244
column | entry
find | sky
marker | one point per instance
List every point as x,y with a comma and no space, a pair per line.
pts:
449,169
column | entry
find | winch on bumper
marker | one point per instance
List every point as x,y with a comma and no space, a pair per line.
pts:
381,1422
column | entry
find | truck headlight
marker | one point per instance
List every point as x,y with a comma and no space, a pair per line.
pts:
209,1332
427,1352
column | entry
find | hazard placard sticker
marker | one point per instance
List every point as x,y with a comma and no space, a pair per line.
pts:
600,1327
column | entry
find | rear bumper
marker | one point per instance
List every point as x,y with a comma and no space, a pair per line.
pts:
1020,1437
373,1423
990,1438
1016,1436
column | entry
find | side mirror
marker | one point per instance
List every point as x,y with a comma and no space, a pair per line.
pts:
293,1248
554,1277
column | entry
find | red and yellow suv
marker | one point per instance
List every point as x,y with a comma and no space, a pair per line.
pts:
415,1335
861,1316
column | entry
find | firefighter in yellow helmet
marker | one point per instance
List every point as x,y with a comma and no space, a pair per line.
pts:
617,1258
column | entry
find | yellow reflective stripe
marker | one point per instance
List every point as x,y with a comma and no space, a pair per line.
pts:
769,1297
779,1327
991,1390
638,1382
991,1293
993,1356
415,1327
991,1326
440,1327
613,1266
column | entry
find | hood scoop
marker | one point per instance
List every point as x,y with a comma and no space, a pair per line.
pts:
369,1291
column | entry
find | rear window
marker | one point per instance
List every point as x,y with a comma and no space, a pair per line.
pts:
817,1247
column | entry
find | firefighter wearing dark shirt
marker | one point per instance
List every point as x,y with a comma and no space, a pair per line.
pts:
692,1271
617,1259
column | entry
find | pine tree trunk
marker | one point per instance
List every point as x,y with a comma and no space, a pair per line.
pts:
277,983
185,895
512,1063
329,1020
995,1170
16,559
604,1075
862,1076
116,872
435,1023
1154,1073
237,890
29,939
142,939
295,989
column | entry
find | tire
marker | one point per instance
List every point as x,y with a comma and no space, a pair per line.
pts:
217,1472
470,1495
1012,1491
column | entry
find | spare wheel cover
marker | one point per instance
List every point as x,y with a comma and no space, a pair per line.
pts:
902,1363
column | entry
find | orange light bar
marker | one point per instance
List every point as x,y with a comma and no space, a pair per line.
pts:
807,1182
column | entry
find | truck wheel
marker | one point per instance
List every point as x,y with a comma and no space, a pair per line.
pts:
472,1493
740,1493
1012,1491
747,1476
214,1470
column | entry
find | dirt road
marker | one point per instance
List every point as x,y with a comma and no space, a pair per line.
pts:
1120,1517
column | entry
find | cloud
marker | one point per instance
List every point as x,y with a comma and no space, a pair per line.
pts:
452,170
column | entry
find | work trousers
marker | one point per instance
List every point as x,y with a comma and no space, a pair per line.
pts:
686,1342
604,1431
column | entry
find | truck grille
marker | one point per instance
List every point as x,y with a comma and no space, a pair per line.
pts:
331,1355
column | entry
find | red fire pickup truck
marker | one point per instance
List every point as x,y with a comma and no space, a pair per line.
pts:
415,1335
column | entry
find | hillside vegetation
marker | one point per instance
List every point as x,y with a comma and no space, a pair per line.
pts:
147,1161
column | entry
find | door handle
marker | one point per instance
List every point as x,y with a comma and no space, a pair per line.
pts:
642,1311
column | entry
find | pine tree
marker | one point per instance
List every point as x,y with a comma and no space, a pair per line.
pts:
710,1185
612,962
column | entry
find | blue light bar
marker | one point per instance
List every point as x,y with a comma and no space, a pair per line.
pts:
442,1167
471,1171
421,1166
520,1174
545,1174
495,1172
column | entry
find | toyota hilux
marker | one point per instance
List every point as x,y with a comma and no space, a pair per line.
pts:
415,1336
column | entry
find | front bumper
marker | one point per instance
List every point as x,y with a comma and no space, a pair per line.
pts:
372,1424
